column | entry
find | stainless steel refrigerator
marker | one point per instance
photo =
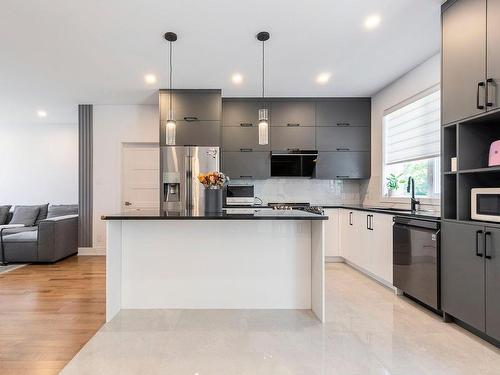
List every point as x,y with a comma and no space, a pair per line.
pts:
180,166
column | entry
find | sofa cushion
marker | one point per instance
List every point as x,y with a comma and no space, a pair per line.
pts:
56,210
4,214
27,236
42,215
26,215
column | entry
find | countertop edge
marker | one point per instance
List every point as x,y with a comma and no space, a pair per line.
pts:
220,218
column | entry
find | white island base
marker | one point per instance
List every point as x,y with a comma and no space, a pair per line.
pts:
215,264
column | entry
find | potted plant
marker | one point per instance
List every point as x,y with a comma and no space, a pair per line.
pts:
213,183
393,182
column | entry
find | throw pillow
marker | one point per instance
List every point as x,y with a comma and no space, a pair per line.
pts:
25,215
56,210
42,215
4,214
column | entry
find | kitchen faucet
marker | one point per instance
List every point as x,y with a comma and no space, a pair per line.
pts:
411,187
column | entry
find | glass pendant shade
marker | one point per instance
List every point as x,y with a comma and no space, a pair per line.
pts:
170,132
263,127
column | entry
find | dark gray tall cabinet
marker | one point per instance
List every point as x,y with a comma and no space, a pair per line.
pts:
470,58
470,250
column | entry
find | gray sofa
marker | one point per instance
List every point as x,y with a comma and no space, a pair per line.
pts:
52,237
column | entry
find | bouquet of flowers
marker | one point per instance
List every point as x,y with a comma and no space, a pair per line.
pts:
213,180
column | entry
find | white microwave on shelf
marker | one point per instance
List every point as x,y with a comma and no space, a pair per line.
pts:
485,204
240,195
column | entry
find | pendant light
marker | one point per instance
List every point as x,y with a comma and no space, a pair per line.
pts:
170,125
263,36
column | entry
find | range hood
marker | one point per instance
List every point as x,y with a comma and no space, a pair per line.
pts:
294,163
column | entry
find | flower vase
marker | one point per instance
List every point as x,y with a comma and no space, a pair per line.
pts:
213,201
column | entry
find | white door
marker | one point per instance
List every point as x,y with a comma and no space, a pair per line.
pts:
140,177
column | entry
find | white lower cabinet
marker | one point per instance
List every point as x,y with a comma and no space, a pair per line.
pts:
366,241
332,243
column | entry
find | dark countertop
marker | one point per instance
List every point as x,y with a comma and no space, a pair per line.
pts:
427,215
175,215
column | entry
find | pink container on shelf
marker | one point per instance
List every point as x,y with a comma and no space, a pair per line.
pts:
494,154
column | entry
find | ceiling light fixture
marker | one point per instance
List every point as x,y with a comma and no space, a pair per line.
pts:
170,125
237,78
372,21
150,79
41,113
263,36
323,78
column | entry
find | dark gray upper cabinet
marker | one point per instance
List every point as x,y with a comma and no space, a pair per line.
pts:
343,165
463,60
293,113
194,133
339,138
493,54
343,112
462,273
300,137
192,105
241,112
251,165
492,260
242,138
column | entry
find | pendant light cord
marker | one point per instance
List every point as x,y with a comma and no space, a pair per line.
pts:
170,79
263,72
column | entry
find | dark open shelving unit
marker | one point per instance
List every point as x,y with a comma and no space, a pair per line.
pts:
468,141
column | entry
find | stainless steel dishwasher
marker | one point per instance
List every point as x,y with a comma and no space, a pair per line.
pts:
416,261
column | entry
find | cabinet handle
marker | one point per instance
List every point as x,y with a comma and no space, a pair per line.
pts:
246,176
190,118
486,235
368,222
479,106
246,149
343,149
371,222
342,176
291,124
478,232
350,218
246,124
490,83
343,124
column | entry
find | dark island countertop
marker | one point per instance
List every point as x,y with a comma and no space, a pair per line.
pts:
175,215
422,214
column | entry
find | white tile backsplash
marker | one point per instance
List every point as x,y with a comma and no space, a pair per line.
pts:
316,192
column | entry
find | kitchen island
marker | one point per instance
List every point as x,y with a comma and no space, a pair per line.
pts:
170,260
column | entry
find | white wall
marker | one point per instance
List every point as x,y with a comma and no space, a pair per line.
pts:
38,163
114,125
415,81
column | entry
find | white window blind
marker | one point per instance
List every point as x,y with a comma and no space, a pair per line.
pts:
412,132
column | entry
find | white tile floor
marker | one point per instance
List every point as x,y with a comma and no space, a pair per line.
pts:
369,330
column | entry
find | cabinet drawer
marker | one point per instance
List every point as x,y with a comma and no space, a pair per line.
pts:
293,113
238,112
192,105
340,138
284,138
254,165
194,133
348,112
343,165
242,139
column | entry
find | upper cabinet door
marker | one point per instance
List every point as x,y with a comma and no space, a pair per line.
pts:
493,53
241,113
192,105
293,113
463,60
343,112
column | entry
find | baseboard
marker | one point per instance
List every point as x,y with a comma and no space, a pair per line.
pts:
334,259
372,276
86,251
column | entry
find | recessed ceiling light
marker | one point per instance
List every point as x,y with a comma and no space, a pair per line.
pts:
150,79
372,21
323,78
41,113
237,78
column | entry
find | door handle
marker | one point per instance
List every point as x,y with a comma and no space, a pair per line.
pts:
350,218
371,222
190,118
246,149
291,124
490,83
246,124
478,233
479,106
342,149
486,235
128,204
368,222
343,124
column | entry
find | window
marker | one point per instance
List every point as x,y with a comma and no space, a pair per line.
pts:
411,146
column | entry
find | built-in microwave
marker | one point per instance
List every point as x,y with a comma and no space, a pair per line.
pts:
485,204
294,163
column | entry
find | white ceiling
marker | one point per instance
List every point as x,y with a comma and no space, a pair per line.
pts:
58,53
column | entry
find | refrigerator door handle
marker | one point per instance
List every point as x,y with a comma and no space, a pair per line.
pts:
187,185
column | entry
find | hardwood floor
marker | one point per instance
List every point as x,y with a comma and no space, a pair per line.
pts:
48,312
